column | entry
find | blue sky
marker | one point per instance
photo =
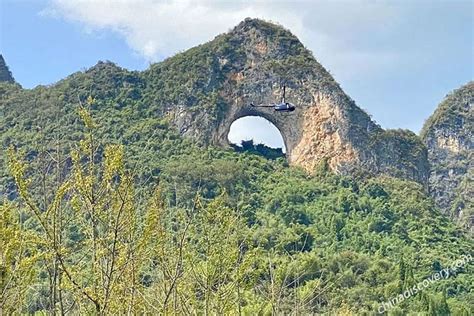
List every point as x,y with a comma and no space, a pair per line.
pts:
40,49
396,59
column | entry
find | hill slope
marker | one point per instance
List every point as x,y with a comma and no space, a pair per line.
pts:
203,90
264,238
250,64
325,243
449,135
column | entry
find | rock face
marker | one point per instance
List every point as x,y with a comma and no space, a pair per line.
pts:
449,136
251,64
5,73
203,90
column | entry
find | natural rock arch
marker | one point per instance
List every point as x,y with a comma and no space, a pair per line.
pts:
326,126
319,129
278,121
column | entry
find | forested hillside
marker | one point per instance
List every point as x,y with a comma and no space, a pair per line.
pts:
107,209
188,229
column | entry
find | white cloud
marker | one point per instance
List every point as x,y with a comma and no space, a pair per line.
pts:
346,38
370,47
157,29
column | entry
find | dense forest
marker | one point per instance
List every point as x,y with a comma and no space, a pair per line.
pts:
105,208
91,228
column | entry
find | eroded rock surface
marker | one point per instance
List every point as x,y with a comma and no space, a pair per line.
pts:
449,136
327,125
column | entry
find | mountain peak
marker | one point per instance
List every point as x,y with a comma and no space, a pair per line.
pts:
5,73
259,24
215,83
448,136
456,104
257,31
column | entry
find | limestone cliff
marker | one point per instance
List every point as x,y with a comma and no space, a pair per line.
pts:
5,73
202,91
250,64
448,134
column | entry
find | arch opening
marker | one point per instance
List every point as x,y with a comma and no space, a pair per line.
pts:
250,133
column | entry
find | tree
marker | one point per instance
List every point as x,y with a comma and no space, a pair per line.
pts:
106,256
17,260
219,260
100,267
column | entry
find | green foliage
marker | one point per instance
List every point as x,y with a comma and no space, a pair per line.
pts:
259,149
17,259
448,136
95,266
400,150
110,211
448,114
224,232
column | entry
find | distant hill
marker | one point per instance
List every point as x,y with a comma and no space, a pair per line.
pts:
180,223
5,73
449,136
203,90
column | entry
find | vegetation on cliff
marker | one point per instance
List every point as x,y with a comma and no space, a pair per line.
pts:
456,106
5,73
106,209
184,229
448,134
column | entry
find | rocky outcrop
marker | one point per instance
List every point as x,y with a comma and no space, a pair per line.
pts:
448,135
5,73
250,64
203,90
